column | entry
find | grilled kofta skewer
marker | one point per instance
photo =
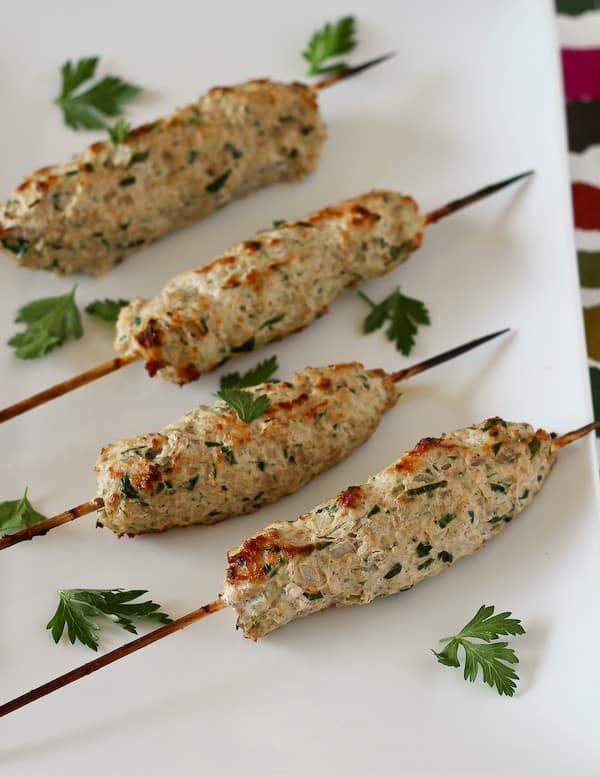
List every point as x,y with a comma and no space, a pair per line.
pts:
441,501
269,286
265,288
262,289
90,213
210,465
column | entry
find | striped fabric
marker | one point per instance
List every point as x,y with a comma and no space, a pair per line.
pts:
579,33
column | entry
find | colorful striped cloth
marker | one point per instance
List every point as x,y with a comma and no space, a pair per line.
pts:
579,33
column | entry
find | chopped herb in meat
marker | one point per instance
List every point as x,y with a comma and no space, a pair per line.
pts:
271,321
16,245
445,520
235,152
191,484
139,156
217,184
426,488
127,489
228,453
395,570
247,345
313,597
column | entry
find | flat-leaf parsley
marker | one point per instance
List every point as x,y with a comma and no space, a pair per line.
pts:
77,607
494,658
331,40
85,108
18,514
50,321
403,316
246,405
260,374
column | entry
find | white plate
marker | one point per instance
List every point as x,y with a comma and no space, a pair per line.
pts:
473,96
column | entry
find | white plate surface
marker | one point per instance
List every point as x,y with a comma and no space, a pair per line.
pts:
473,96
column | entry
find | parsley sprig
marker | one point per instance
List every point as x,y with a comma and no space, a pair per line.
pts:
85,107
18,514
494,658
106,309
331,40
78,606
246,405
403,316
260,374
50,321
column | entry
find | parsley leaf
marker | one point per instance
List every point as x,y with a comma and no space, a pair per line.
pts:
244,403
50,321
73,75
493,657
84,107
330,41
259,374
404,315
217,183
119,131
18,514
77,607
106,309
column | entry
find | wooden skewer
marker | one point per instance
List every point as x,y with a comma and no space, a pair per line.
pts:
67,385
349,72
96,504
576,434
51,523
114,364
462,202
180,623
433,361
113,655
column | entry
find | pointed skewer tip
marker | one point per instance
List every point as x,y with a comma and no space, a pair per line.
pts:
440,358
351,71
469,199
